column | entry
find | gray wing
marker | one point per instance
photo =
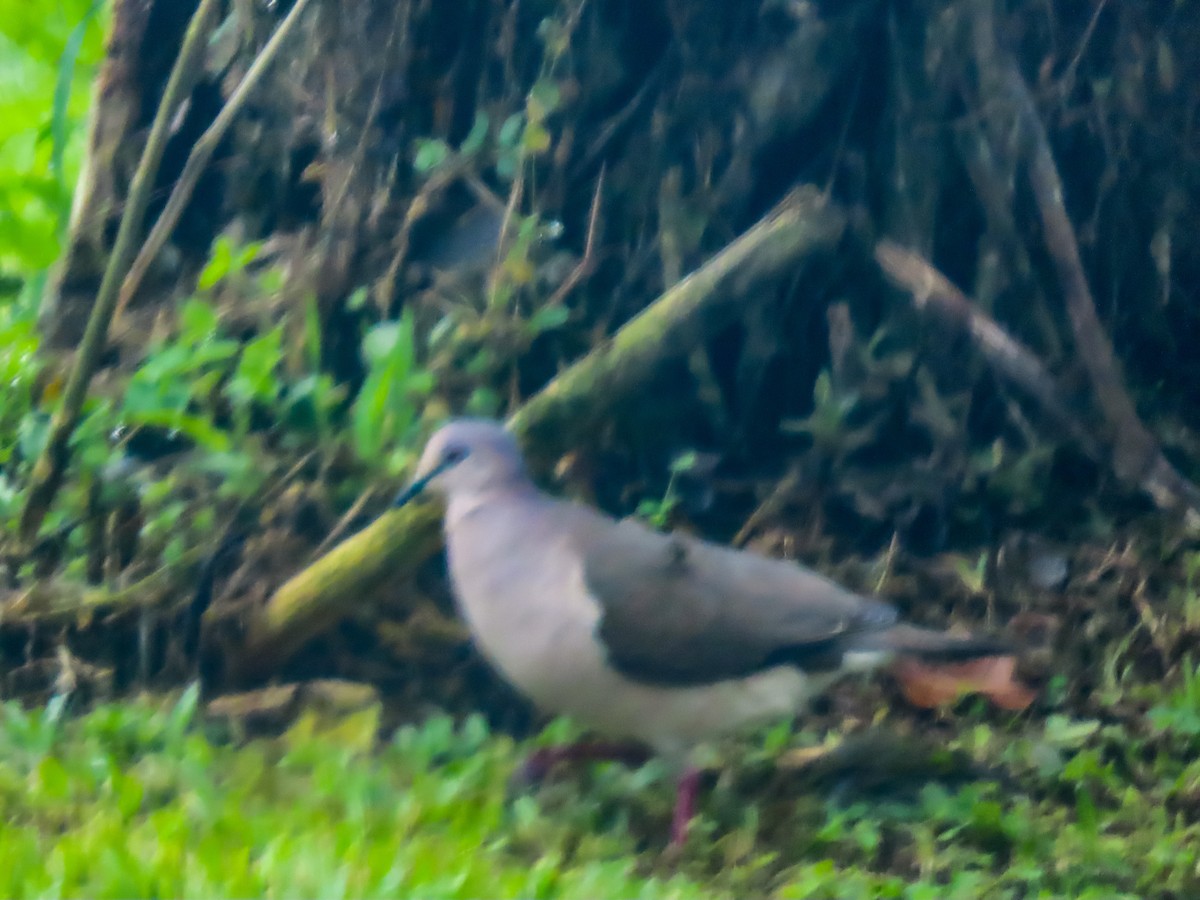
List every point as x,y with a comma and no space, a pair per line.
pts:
677,610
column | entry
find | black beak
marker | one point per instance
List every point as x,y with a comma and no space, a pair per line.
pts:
414,489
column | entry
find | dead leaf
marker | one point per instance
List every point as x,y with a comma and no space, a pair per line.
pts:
930,685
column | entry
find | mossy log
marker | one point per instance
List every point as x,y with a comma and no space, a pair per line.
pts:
569,406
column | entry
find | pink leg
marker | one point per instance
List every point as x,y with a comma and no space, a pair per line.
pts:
685,806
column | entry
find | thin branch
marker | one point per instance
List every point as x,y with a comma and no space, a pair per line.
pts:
932,291
201,153
57,601
510,210
588,261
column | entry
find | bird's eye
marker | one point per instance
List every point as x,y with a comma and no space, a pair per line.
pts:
454,454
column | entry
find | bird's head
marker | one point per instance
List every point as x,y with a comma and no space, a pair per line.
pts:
466,456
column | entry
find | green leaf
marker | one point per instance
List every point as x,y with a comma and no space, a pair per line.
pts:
536,139
368,417
385,409
543,100
1064,732
431,153
184,710
379,342
246,255
312,333
196,428
510,131
220,262
254,379
548,318
684,462
357,299
53,782
473,142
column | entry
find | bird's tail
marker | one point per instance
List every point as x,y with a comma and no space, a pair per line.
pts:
933,646
935,668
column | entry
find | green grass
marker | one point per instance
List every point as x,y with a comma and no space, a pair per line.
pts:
140,800
48,54
126,802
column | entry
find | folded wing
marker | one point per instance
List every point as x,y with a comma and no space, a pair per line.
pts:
677,610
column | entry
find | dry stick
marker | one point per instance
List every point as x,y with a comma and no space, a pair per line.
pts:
588,262
200,155
1136,455
931,290
345,520
563,412
51,465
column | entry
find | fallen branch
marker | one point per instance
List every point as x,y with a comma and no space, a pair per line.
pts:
563,411
573,403
1137,457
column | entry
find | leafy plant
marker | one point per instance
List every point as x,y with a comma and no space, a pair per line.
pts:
227,262
1186,596
19,368
828,423
1178,713
136,800
174,387
255,382
658,512
313,398
386,409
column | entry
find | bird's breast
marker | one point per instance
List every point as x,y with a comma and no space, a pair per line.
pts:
516,588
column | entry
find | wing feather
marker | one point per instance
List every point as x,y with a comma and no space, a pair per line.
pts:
678,610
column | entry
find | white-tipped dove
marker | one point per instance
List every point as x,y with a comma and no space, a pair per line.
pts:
664,639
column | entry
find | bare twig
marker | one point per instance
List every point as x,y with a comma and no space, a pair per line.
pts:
421,203
588,262
783,491
343,522
510,210
1068,76
56,601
